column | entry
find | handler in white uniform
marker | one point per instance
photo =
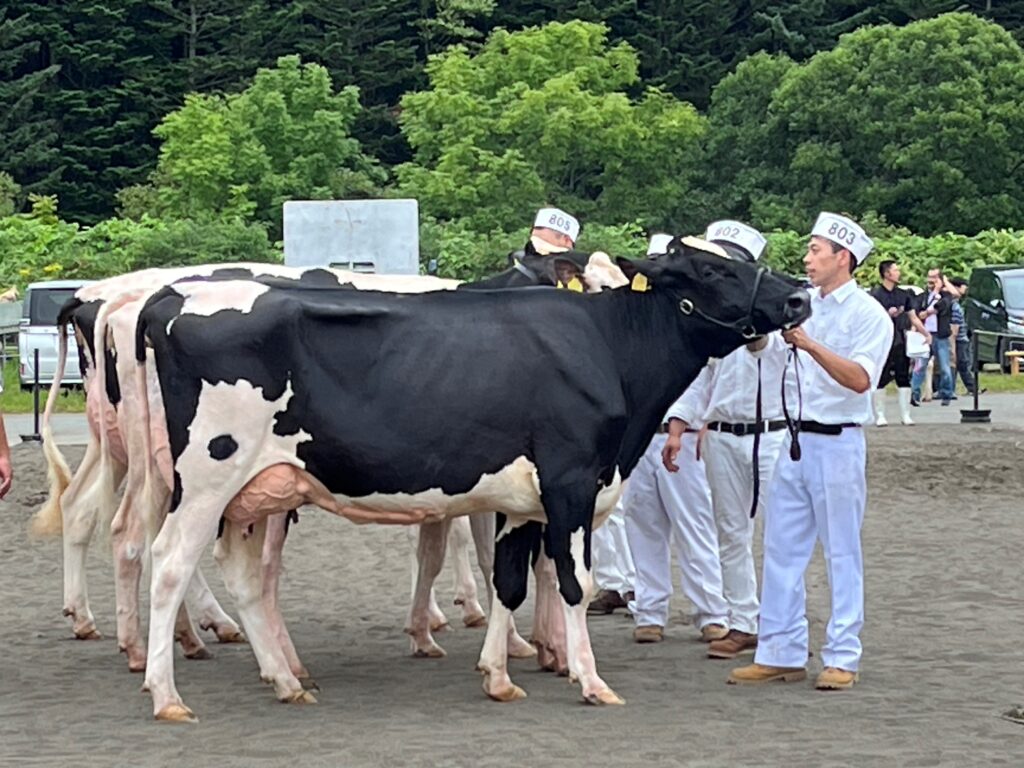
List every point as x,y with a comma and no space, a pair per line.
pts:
554,231
664,507
822,495
726,393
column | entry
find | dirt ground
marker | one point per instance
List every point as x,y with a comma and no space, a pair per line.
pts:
943,652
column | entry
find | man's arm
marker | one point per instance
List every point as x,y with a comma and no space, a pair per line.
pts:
5,461
847,373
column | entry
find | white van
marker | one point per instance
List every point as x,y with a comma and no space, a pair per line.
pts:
38,330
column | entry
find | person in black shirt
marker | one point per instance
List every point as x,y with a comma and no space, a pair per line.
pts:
899,303
936,313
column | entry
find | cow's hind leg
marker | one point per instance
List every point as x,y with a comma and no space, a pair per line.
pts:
512,553
208,612
484,529
240,558
459,538
549,634
273,549
569,510
175,554
128,536
79,515
430,555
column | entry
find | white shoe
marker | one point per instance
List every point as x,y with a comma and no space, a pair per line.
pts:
878,399
904,399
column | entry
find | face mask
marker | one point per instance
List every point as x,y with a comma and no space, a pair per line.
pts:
544,248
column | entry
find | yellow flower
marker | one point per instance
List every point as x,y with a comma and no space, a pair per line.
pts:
52,268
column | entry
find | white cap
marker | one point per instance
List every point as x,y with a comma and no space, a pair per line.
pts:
558,220
843,232
658,244
737,233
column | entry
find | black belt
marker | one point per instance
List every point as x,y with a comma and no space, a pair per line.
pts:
663,430
747,429
817,428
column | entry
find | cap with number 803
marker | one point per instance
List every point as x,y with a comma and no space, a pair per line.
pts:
845,233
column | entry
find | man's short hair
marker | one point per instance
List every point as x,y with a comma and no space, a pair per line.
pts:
936,269
959,282
884,267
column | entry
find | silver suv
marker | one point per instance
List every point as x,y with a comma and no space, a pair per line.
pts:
38,330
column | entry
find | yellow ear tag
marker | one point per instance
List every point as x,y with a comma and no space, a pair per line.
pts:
575,285
640,283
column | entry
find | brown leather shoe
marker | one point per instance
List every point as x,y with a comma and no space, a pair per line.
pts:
606,602
711,632
835,679
732,645
756,674
649,634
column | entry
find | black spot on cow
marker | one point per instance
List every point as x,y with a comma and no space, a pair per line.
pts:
222,447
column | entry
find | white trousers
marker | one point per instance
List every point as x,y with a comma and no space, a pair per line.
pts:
662,507
729,462
822,497
611,558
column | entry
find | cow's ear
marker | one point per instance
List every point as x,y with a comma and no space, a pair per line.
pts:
641,273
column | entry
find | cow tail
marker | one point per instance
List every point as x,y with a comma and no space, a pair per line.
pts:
105,502
48,520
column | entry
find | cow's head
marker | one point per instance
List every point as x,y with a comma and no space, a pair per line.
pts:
740,300
594,271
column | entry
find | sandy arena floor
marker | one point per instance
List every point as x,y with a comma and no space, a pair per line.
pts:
944,549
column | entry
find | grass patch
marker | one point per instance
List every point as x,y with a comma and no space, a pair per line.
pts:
13,400
1002,382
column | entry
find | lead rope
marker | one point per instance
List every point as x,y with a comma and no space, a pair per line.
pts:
758,426
793,427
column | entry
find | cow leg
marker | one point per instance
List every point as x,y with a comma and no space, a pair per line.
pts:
129,541
78,515
204,606
273,549
483,528
240,559
188,637
459,536
550,641
175,554
569,510
430,555
512,551
437,619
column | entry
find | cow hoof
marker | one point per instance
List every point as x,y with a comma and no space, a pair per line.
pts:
432,651
176,713
227,635
520,649
603,696
440,626
299,697
202,653
88,632
309,684
475,620
137,665
510,692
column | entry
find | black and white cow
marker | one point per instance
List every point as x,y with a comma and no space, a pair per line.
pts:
403,408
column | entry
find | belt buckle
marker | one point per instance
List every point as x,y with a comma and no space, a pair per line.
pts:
740,430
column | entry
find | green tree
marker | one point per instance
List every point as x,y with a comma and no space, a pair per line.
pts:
924,124
28,133
287,135
544,115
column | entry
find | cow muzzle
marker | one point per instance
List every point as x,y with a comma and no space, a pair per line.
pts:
797,309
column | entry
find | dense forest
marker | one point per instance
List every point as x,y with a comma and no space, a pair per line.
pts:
183,124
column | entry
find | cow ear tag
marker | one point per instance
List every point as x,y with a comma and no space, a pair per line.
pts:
575,285
640,282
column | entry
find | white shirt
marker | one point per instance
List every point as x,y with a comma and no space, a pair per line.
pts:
931,323
726,389
853,325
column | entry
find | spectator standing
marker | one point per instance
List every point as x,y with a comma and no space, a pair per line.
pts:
937,315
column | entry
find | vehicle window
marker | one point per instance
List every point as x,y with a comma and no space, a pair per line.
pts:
984,288
1013,291
45,304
